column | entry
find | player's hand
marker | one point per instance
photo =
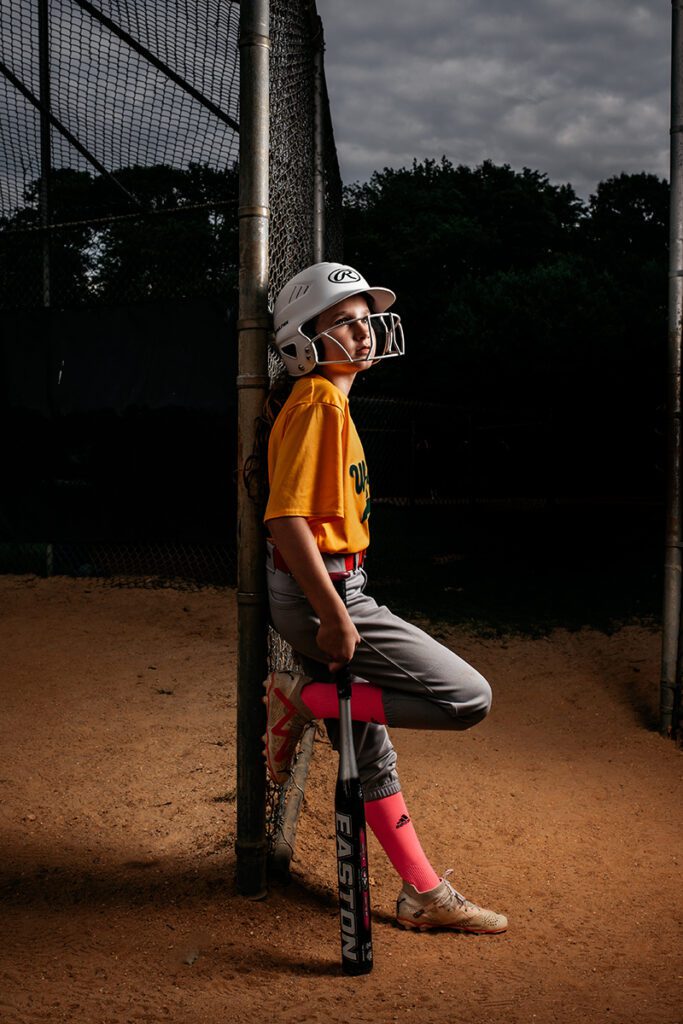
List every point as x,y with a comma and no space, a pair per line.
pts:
338,640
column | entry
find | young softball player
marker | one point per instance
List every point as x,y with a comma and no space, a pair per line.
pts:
329,326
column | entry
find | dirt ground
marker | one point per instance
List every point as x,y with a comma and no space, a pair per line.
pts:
117,783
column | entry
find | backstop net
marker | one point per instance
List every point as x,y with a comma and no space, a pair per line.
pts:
119,146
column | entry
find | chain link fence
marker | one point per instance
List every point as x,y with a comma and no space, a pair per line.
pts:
296,39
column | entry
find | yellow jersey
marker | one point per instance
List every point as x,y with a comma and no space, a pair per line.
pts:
317,468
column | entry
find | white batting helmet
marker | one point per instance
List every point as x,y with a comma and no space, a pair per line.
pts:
309,294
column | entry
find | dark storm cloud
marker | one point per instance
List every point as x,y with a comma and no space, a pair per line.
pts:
578,90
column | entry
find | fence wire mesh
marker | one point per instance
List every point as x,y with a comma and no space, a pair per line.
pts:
149,566
295,34
291,135
137,198
111,92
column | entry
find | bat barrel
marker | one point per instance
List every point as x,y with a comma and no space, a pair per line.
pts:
353,880
351,836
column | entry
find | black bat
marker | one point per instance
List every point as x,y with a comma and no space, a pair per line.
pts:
351,837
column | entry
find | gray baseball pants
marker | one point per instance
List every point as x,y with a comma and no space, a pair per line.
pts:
424,684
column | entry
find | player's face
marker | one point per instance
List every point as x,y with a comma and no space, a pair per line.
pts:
346,331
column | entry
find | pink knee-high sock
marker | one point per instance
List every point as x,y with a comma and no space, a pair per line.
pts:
389,820
388,817
366,702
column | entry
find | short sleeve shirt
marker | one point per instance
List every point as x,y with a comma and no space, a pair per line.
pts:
317,468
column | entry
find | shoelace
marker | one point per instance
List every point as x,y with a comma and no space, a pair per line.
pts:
446,899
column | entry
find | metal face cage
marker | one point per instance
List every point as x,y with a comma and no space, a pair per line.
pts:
385,334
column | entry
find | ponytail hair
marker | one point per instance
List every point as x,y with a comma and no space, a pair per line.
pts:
256,466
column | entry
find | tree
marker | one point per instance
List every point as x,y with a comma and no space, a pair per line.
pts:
21,260
521,300
184,245
180,241
436,231
628,216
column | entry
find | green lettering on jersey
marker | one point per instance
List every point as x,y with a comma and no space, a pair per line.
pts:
359,473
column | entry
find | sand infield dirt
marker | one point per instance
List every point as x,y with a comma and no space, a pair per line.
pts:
117,785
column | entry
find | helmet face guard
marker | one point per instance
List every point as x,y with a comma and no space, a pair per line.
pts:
385,335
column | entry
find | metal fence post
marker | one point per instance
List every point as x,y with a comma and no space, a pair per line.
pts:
252,382
674,536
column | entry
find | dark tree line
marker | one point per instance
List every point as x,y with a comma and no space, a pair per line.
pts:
524,306
509,283
522,302
180,241
515,293
489,263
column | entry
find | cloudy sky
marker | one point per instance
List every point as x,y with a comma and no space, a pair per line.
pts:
579,90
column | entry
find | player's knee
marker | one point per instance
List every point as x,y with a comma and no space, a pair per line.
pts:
479,704
379,775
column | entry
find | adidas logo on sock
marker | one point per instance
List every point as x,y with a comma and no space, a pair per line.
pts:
403,820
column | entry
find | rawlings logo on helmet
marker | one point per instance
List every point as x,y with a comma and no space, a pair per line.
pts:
343,276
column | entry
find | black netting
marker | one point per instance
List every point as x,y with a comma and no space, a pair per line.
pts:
20,122
122,108
139,199
119,266
295,34
150,565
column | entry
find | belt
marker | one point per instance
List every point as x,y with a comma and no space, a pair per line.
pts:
351,562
